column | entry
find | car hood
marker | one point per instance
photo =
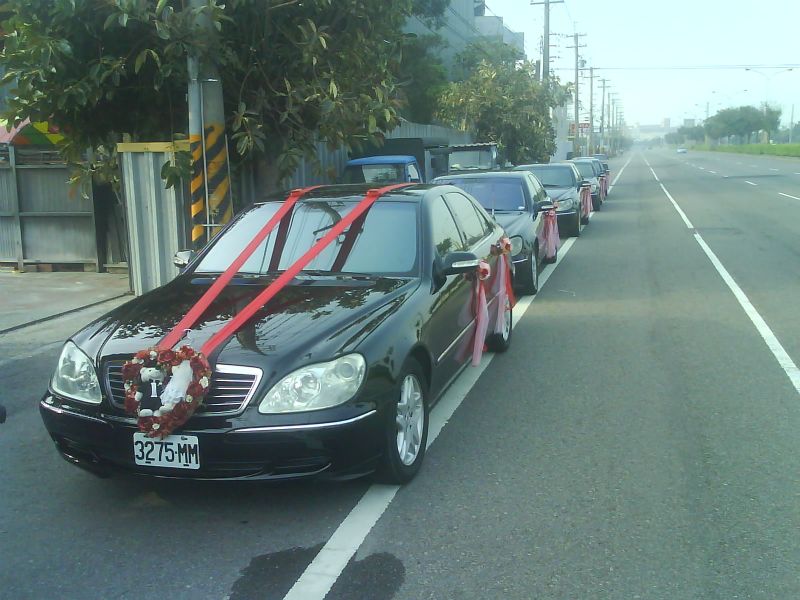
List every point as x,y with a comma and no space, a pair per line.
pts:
514,223
312,319
557,193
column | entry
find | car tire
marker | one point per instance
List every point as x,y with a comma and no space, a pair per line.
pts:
575,231
596,204
406,427
529,278
500,342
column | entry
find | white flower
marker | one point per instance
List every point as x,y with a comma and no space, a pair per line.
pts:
137,361
153,354
204,381
189,399
157,413
167,408
145,412
138,397
127,386
156,426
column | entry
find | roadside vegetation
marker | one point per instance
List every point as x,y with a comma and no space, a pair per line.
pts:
769,149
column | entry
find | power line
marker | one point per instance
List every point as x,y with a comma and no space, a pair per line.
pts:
690,67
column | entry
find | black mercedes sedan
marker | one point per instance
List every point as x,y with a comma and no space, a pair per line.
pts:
335,376
562,181
516,200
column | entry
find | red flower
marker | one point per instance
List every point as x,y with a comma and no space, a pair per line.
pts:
186,351
195,390
142,354
130,371
198,364
166,357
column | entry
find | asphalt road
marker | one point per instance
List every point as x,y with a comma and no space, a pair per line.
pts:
638,441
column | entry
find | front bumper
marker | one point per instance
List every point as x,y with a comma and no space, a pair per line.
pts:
342,448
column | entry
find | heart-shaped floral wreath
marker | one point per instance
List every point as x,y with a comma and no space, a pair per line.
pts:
186,378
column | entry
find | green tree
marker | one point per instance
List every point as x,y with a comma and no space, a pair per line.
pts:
422,78
502,101
293,72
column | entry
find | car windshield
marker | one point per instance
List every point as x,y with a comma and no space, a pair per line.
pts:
391,226
373,174
585,168
494,193
553,176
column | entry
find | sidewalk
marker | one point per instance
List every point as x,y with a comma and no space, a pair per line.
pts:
30,297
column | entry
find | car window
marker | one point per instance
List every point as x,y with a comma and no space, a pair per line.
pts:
446,237
555,176
466,216
391,225
372,174
413,174
538,191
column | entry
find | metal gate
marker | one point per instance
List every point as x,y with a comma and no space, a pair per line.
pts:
42,218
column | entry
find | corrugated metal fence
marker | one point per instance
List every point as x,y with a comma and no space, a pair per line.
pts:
42,218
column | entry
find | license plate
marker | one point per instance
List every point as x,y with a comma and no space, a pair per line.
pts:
174,451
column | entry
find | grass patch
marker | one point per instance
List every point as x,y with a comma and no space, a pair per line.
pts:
770,149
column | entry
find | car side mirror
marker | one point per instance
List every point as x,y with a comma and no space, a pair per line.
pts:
182,258
459,262
545,205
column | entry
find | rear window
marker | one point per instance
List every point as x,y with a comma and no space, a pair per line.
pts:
495,193
390,227
373,174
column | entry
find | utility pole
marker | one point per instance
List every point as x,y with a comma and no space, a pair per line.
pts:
211,204
591,111
576,39
791,124
603,114
546,39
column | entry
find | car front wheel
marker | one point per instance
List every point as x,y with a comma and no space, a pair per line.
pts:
529,283
407,429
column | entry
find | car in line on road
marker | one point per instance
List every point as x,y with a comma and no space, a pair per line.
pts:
562,182
516,200
333,377
682,151
591,170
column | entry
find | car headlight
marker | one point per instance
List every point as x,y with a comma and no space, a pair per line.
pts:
595,187
516,245
566,203
75,376
317,386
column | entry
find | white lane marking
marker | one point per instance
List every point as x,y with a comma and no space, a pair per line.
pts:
778,351
753,166
654,174
771,169
318,578
750,182
713,172
677,208
797,173
789,196
613,183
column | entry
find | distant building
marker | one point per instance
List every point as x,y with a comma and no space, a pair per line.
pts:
665,123
463,22
689,122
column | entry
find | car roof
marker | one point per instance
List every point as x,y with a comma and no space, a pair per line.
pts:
555,164
382,160
415,192
482,175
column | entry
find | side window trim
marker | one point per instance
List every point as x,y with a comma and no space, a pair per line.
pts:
460,233
477,242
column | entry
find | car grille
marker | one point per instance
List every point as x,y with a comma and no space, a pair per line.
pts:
232,387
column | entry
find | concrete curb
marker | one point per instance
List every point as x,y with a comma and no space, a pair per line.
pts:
61,314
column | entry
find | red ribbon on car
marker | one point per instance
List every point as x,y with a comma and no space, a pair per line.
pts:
230,328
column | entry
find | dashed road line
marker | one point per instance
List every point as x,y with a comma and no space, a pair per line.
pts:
789,196
613,183
771,169
778,351
750,182
713,172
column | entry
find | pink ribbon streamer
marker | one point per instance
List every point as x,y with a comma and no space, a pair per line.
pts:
500,288
481,313
586,201
550,238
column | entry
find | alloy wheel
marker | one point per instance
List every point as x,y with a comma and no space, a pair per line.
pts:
410,420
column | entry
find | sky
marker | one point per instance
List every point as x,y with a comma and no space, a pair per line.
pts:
629,41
